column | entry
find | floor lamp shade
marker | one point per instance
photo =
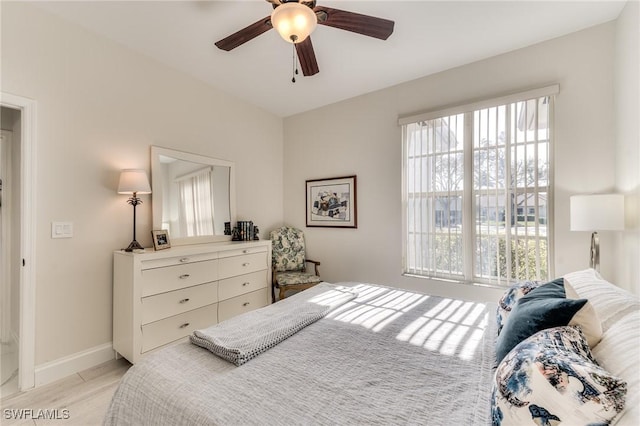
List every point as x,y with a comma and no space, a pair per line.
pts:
133,181
597,212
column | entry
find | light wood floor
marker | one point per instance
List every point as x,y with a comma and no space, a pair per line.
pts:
86,396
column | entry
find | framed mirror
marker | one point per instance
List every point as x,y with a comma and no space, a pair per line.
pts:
193,196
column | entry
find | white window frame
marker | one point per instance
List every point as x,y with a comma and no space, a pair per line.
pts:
469,209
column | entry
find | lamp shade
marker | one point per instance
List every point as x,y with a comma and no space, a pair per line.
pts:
597,212
134,181
294,21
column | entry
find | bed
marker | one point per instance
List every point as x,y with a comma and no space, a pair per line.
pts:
388,357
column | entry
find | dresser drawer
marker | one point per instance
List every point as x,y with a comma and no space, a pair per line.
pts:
240,265
173,328
177,260
235,286
160,280
175,302
241,304
243,251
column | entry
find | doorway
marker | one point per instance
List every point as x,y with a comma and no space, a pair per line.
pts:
18,116
10,126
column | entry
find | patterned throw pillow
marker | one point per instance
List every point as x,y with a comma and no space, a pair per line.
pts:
552,378
509,299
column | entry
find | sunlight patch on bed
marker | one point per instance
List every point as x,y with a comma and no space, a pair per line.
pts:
452,327
331,297
376,307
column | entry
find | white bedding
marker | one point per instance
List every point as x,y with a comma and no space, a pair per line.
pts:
387,357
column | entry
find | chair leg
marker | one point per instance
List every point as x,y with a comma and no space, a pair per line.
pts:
273,293
281,296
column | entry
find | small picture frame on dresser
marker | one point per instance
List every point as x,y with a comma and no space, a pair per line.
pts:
161,239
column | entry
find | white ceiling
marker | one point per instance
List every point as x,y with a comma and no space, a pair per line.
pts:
429,37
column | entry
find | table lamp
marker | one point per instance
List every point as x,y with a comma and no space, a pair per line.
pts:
597,212
133,181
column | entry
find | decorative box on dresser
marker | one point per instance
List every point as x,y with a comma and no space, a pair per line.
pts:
162,296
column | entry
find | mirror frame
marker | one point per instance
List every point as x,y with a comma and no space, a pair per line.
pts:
156,191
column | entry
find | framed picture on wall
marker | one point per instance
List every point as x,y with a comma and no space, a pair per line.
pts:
161,239
331,202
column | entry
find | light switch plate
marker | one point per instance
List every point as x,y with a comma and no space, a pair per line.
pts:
61,229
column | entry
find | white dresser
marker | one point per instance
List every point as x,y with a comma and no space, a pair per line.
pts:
162,296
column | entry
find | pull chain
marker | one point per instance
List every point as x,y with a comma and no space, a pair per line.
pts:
293,58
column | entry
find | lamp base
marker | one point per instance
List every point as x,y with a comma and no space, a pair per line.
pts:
134,246
594,252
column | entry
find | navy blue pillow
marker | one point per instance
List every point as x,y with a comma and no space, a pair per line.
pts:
543,307
553,288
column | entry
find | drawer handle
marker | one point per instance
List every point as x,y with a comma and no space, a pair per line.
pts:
245,251
184,259
184,300
245,304
186,324
246,264
184,276
245,284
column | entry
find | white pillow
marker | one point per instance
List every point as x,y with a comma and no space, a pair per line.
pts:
586,317
619,353
611,303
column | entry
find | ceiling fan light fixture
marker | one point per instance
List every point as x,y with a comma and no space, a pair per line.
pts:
294,21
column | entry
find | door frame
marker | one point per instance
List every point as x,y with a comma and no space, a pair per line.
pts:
27,107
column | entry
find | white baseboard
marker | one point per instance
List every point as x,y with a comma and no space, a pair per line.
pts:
74,363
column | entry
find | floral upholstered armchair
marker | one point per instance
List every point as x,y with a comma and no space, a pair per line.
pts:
290,262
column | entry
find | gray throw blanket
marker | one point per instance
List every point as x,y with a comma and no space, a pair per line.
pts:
242,338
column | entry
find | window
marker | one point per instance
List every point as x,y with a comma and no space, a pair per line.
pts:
477,190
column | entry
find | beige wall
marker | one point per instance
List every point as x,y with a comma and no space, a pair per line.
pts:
361,136
100,107
627,112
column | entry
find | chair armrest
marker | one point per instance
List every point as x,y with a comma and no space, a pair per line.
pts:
316,264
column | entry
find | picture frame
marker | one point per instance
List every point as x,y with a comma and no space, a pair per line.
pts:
332,202
161,239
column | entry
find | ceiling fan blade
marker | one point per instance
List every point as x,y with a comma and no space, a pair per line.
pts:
355,22
307,57
244,35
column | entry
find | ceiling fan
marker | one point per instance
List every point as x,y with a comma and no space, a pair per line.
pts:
296,19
